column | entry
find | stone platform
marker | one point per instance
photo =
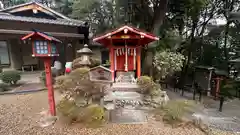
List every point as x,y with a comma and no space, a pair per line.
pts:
122,100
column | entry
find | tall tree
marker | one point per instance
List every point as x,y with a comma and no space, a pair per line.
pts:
64,6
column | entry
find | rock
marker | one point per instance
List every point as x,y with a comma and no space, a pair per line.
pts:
154,105
109,106
46,119
109,97
161,99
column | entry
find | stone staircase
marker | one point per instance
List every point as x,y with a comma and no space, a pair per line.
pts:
124,86
125,77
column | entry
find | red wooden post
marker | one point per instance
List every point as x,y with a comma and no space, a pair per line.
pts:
112,61
51,100
218,79
138,62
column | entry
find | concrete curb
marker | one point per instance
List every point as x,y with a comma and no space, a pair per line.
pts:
21,92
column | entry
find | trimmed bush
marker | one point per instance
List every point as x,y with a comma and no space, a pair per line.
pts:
78,84
59,82
94,62
80,73
10,77
79,94
173,112
148,86
3,87
94,115
68,110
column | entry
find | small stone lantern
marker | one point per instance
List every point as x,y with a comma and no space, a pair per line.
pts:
85,53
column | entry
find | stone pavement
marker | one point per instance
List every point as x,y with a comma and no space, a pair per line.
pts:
227,120
128,116
31,77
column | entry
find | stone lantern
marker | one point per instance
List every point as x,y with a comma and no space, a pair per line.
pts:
85,54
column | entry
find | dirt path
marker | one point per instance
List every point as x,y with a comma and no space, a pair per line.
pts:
19,113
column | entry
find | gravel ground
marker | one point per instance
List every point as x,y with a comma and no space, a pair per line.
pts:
19,115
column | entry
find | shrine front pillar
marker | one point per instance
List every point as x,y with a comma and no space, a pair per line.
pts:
138,62
126,58
112,63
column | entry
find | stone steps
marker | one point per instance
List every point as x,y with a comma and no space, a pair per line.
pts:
124,87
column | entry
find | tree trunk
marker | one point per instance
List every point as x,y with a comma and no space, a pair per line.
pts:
159,15
229,8
160,9
189,56
225,41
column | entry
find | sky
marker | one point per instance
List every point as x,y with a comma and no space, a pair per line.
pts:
220,21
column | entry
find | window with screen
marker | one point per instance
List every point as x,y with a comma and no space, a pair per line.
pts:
41,47
4,54
54,50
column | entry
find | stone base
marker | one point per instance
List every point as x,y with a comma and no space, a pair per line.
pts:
128,116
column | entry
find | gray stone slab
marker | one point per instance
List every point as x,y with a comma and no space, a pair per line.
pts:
128,116
120,95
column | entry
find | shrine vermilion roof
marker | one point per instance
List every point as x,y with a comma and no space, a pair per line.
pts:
127,34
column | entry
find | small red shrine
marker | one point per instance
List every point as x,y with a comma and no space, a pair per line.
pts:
124,46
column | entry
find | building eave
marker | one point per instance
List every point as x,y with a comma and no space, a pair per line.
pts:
38,4
57,34
57,14
8,17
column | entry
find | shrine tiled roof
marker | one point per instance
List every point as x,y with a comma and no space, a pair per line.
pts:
71,22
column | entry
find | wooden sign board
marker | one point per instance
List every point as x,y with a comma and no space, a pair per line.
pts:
100,73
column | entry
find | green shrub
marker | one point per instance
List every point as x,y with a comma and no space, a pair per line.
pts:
174,111
75,63
167,62
80,73
3,87
78,84
59,82
148,86
79,94
94,62
94,115
68,110
10,77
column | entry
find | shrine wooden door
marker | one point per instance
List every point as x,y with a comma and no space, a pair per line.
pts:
120,59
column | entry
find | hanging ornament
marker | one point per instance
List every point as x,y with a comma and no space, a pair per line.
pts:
123,51
120,51
116,52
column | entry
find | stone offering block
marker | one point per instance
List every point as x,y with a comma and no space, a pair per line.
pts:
128,116
100,73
